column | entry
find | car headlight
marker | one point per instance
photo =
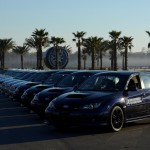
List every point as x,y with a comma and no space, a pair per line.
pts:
17,90
51,105
46,99
25,93
34,94
12,89
91,106
24,90
35,98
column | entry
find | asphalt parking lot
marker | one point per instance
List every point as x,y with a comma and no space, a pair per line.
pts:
21,130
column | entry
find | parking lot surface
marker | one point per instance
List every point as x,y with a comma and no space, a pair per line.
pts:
22,130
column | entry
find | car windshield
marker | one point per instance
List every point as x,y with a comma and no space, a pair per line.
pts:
73,79
55,78
104,83
42,76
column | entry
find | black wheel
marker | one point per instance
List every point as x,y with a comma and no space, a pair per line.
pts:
116,120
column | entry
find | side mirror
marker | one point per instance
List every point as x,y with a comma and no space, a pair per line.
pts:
129,89
42,82
75,88
55,84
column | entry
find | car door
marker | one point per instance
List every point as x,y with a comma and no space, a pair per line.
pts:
135,105
146,99
146,86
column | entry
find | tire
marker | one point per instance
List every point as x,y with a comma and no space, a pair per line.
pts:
116,120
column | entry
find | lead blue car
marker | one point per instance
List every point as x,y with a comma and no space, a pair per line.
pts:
110,98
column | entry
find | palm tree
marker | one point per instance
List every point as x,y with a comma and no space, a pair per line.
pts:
39,39
126,43
104,46
56,41
92,44
79,37
68,49
110,48
86,50
21,50
31,42
115,40
5,45
123,59
84,57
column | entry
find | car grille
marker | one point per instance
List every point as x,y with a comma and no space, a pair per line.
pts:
66,108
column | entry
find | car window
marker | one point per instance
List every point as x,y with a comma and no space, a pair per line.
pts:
55,78
135,82
146,80
73,79
104,83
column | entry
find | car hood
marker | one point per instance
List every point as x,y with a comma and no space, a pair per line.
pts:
53,92
85,97
38,87
43,85
32,83
58,90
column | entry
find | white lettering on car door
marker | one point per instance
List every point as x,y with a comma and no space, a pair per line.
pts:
134,101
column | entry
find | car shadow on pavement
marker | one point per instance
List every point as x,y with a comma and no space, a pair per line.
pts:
18,125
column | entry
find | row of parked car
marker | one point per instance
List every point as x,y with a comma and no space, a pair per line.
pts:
68,98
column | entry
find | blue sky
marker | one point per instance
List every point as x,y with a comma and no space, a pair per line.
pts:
19,18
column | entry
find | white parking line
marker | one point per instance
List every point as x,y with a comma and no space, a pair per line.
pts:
22,126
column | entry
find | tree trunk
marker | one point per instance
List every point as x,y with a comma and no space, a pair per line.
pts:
37,57
112,59
21,61
40,57
98,62
101,61
126,58
3,60
115,57
84,64
93,58
79,55
123,60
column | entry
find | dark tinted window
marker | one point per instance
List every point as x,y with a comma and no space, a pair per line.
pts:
104,83
74,79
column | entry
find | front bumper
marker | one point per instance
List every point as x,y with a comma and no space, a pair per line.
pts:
16,96
79,118
26,100
39,108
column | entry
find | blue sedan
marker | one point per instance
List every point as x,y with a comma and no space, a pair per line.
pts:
110,98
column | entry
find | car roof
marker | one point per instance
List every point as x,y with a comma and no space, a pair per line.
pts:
128,73
66,71
88,71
